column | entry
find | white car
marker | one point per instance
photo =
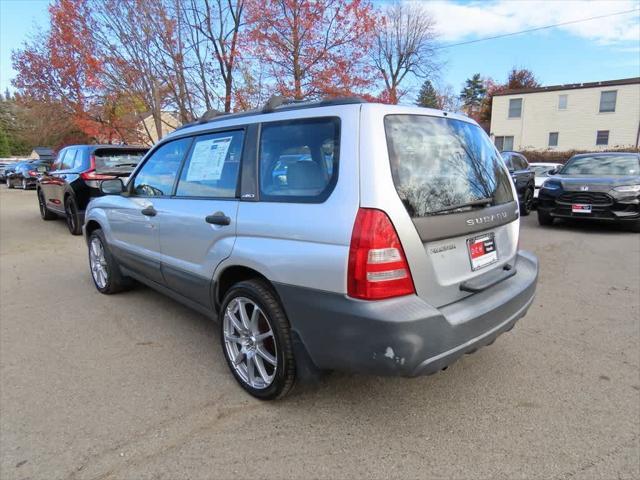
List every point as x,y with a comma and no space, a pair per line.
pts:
541,171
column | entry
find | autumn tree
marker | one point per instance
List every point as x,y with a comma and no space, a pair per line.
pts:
472,95
216,24
428,97
404,45
313,48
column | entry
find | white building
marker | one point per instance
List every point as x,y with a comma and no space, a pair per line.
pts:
582,116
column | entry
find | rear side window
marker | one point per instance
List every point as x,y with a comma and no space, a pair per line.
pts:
117,160
299,159
443,165
212,167
158,174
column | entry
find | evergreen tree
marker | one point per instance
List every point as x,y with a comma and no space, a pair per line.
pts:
428,97
473,93
4,145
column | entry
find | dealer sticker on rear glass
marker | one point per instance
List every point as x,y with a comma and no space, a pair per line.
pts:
482,251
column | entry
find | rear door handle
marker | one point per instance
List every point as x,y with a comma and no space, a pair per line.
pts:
149,211
218,218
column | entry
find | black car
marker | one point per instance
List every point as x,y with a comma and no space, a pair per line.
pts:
75,178
594,186
523,178
25,174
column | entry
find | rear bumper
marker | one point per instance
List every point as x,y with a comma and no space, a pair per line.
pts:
405,336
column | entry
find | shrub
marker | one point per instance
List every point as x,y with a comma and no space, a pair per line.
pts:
553,156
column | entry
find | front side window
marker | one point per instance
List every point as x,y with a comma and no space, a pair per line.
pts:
299,159
212,167
553,139
158,174
443,165
562,102
602,137
515,108
608,101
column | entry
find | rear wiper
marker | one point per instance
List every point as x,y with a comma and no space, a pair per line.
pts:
130,164
475,203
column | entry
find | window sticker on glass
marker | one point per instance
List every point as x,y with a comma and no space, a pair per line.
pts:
208,158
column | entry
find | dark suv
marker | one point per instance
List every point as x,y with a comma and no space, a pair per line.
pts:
75,178
523,178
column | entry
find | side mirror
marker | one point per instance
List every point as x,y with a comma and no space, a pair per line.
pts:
112,187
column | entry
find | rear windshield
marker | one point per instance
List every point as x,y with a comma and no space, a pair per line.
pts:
603,165
118,160
443,165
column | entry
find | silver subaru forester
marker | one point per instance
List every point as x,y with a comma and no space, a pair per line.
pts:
335,235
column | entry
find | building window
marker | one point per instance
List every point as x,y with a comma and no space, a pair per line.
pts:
602,138
608,101
553,139
504,144
515,108
562,102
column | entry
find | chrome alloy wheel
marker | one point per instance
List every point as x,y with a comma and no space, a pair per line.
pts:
98,263
250,343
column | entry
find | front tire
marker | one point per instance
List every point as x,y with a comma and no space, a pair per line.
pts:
256,340
72,217
9,184
544,218
45,213
527,203
105,271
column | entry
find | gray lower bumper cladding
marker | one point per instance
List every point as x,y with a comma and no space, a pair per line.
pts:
405,336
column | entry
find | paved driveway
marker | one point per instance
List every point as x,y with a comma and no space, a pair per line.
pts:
134,386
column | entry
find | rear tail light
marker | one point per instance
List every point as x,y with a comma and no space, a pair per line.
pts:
33,173
91,177
378,267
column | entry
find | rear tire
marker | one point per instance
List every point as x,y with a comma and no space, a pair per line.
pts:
260,343
527,203
544,218
45,213
24,184
105,270
72,217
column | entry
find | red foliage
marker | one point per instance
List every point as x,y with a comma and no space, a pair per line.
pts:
313,48
62,67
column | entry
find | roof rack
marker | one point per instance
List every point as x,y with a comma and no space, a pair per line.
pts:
275,103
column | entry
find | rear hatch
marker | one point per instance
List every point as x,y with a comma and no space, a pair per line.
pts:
118,162
456,190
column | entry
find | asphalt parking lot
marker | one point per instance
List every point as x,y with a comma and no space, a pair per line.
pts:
135,386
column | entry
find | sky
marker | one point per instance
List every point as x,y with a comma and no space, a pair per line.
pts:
601,49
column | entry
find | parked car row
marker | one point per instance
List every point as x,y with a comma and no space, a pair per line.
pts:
24,174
